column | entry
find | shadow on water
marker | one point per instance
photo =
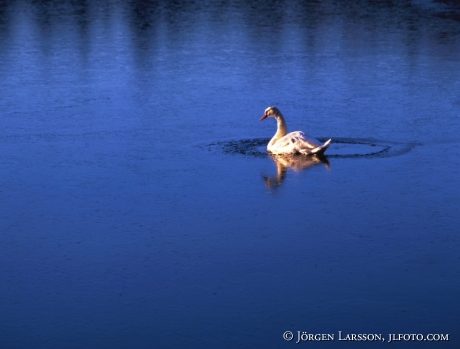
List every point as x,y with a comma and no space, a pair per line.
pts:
341,148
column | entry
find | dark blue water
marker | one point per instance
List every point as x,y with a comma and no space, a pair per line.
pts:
139,209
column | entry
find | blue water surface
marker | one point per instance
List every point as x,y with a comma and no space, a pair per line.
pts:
140,210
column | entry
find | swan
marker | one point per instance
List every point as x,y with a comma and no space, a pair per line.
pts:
291,143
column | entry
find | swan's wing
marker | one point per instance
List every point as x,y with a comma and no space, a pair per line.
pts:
298,142
319,151
307,141
287,144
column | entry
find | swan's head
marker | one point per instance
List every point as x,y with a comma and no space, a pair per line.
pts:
270,112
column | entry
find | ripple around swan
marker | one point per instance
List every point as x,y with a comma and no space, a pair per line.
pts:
341,148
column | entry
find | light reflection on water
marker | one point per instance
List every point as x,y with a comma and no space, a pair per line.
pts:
139,208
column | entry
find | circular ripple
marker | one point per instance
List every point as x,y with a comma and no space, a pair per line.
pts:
339,148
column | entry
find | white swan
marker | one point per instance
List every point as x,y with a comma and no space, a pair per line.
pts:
291,143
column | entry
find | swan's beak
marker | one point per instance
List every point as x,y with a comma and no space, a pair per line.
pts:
263,117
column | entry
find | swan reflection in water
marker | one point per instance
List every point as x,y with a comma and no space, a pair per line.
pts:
297,163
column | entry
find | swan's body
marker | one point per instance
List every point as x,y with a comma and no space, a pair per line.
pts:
291,143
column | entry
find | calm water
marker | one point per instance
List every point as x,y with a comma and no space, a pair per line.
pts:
139,210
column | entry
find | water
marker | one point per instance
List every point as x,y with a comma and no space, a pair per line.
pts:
140,210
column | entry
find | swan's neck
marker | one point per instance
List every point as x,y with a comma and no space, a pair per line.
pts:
282,128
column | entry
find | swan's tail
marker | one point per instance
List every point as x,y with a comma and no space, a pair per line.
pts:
319,151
